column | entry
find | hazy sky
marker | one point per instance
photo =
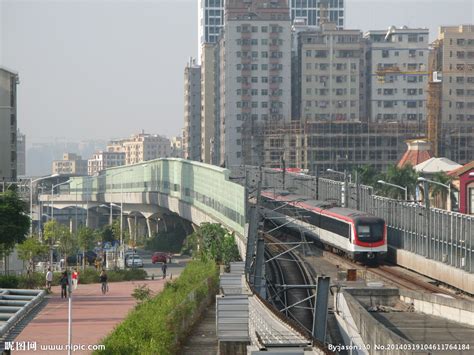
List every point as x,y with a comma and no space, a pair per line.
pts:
108,68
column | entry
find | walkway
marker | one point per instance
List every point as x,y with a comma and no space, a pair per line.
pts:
94,315
203,338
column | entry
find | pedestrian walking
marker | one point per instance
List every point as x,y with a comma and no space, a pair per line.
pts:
103,281
49,279
163,270
75,278
64,282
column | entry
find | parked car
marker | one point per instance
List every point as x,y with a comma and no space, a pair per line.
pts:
159,257
134,261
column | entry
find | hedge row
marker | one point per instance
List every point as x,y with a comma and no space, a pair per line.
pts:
88,276
156,326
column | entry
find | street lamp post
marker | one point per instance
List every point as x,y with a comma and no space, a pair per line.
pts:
31,196
397,186
427,197
345,175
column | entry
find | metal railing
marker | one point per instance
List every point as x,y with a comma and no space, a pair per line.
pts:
436,234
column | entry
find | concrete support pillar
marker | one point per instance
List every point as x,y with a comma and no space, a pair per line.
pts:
131,227
152,227
142,228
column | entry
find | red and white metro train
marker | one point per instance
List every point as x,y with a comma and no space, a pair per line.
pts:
358,235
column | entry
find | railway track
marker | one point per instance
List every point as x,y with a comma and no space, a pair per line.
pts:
282,272
385,273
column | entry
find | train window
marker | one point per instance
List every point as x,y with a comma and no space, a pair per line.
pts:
377,230
363,231
335,226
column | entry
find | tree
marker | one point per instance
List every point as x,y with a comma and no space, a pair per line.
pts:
30,249
367,174
440,192
212,242
405,176
56,233
86,238
116,232
14,221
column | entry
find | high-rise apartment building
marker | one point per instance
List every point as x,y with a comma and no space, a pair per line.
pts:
192,111
254,76
143,146
211,16
330,75
21,153
8,125
209,104
398,74
452,93
210,22
103,160
71,164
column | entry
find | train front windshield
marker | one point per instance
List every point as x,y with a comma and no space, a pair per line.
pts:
370,231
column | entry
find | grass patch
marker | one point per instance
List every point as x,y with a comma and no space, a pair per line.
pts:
157,326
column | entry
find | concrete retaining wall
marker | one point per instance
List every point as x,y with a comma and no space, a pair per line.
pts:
449,308
370,330
434,269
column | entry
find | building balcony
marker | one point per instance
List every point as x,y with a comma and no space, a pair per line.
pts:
246,72
274,47
246,35
246,109
246,60
246,85
274,86
274,60
246,47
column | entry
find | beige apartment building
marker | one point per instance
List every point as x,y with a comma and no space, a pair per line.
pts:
192,111
143,146
176,147
71,164
330,74
398,74
254,76
103,160
8,125
209,101
452,92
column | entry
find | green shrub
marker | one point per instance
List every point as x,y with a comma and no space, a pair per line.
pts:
9,281
88,276
154,326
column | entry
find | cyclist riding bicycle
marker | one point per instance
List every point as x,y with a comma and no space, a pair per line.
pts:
103,281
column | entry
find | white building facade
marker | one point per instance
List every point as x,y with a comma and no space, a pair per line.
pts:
104,160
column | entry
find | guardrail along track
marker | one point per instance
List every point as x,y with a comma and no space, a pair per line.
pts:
284,271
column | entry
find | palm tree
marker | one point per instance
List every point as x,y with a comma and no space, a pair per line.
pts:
367,175
440,193
405,176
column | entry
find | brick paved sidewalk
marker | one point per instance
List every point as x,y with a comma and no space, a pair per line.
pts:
94,315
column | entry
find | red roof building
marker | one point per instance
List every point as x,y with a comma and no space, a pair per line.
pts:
419,150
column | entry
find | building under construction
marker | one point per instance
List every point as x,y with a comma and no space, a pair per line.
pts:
451,94
337,145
